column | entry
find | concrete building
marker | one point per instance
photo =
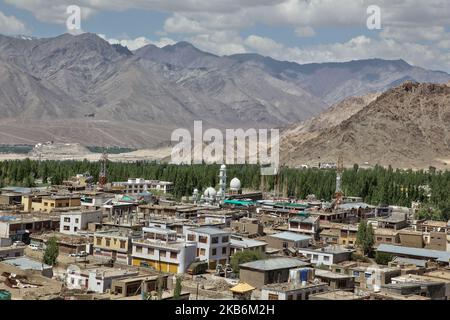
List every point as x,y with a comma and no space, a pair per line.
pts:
114,245
262,272
97,280
411,238
213,245
160,249
238,243
11,252
335,281
289,291
250,227
72,222
139,185
328,255
19,227
49,203
308,225
388,236
442,257
285,240
132,286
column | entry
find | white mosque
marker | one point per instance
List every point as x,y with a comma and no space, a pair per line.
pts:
213,196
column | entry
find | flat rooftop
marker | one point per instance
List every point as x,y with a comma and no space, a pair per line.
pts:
25,263
290,236
209,230
337,295
287,286
274,264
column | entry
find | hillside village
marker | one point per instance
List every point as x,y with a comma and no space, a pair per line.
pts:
131,240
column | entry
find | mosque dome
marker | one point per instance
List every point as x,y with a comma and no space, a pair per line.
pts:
235,184
210,192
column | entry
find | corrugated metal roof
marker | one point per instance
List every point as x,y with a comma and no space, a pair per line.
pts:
274,264
291,236
443,256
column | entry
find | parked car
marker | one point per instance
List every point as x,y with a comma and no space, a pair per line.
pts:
34,247
19,244
80,254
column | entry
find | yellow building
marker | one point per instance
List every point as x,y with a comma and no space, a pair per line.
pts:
113,245
49,203
161,251
348,235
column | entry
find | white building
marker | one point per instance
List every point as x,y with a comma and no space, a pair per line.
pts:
72,222
161,250
97,280
139,185
213,245
327,256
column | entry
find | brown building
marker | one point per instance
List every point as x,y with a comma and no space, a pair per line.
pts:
261,272
437,241
285,240
249,227
411,238
389,236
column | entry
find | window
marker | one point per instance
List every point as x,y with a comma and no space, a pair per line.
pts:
215,240
224,250
66,228
173,255
122,244
191,237
99,241
326,258
315,257
138,249
162,253
75,229
214,251
225,239
285,245
77,220
108,242
66,219
290,297
379,238
202,252
202,239
273,296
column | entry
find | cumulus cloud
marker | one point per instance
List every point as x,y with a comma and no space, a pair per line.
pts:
11,25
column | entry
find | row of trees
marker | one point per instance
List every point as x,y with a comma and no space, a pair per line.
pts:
376,185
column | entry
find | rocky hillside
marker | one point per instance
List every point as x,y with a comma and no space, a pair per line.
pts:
406,127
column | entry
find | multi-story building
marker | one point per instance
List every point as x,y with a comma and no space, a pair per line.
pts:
139,185
49,203
238,243
307,224
114,245
161,250
251,227
72,222
19,228
213,244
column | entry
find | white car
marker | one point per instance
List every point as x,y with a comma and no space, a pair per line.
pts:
34,247
18,244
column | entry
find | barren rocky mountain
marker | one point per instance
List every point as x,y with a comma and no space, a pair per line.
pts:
82,89
406,127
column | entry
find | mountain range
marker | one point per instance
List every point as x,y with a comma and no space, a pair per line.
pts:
83,89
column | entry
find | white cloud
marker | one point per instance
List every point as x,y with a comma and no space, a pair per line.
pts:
134,44
11,25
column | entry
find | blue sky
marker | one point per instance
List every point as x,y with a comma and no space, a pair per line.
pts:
303,31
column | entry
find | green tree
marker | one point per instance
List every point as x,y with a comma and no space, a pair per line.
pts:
383,258
178,288
245,256
51,252
365,237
